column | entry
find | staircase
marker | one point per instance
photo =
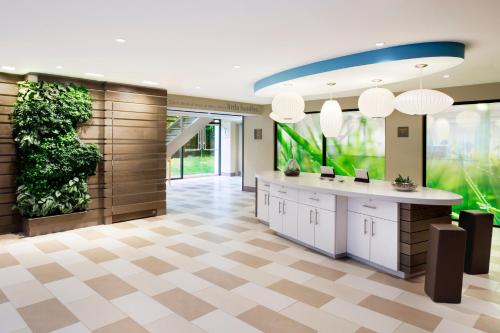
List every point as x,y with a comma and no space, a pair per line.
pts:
180,129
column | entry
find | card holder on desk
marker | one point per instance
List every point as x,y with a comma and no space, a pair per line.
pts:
362,176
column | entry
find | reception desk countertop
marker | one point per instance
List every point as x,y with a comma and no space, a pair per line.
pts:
376,189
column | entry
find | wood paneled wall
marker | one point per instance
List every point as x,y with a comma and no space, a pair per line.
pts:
9,220
128,125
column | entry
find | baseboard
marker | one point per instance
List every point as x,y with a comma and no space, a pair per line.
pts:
230,174
249,188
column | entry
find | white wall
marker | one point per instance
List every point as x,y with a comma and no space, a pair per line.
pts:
258,154
230,148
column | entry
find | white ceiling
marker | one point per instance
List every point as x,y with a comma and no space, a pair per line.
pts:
186,44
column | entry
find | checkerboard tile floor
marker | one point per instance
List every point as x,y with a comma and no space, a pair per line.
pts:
209,266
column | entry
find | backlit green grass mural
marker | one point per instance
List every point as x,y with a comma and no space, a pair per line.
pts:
360,145
463,155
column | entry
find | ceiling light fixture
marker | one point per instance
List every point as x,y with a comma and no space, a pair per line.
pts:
9,68
379,44
376,102
120,40
422,101
330,117
236,66
197,87
153,83
288,108
94,74
446,76
59,67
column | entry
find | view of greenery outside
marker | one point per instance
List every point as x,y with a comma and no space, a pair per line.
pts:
463,155
360,145
197,160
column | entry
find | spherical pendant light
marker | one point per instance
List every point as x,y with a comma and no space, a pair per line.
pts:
288,107
330,118
376,102
277,118
422,101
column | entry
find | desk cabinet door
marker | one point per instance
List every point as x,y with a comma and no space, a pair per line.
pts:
290,211
384,243
275,217
358,235
324,233
305,224
262,205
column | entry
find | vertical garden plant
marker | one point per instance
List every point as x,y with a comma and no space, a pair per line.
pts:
53,163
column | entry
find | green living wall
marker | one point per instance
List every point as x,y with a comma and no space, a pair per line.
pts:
53,163
463,155
360,145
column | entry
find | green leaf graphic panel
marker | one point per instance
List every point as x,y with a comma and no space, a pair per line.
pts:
463,155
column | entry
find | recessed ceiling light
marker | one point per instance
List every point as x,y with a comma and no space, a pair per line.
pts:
236,66
379,43
94,74
59,67
197,87
9,68
153,83
446,76
120,40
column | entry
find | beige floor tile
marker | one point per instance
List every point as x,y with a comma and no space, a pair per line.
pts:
365,330
33,259
488,324
211,237
154,265
247,259
415,286
218,321
268,245
216,260
110,287
14,275
164,231
424,320
86,270
95,312
7,260
301,293
173,323
408,328
185,280
124,226
128,252
221,278
225,300
186,263
483,294
361,316
254,275
318,270
187,250
184,304
36,315
98,255
233,227
264,296
50,272
447,326
90,234
51,246
318,319
135,241
189,222
369,286
337,290
270,321
287,272
148,283
125,325
11,321
276,257
141,308
27,293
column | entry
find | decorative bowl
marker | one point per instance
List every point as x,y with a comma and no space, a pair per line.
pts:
404,187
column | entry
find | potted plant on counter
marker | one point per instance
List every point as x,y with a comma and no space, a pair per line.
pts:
404,184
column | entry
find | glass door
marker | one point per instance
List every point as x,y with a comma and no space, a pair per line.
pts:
201,153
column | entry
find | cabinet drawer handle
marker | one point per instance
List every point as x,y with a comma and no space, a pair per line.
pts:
373,228
314,199
284,205
279,207
310,216
368,206
282,192
317,217
365,231
266,185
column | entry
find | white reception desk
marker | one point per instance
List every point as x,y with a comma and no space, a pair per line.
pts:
371,222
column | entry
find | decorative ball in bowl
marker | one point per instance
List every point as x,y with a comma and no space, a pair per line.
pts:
404,184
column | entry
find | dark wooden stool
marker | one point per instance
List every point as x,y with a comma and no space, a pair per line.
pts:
445,263
479,227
